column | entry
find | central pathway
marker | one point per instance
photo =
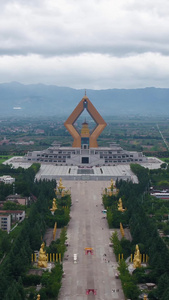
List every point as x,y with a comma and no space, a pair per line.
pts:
88,228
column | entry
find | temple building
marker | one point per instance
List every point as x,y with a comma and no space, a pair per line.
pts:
85,150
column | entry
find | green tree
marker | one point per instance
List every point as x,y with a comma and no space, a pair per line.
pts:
116,244
165,295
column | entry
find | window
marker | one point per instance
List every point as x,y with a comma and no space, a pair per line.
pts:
85,160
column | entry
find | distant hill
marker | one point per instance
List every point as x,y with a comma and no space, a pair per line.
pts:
49,100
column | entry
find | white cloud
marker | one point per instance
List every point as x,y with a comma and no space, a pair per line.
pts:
96,71
92,43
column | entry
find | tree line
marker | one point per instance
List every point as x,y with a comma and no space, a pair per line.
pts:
143,230
18,258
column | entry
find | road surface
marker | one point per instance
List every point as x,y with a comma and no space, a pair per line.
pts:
87,228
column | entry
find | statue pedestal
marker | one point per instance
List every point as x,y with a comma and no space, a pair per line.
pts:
49,267
131,268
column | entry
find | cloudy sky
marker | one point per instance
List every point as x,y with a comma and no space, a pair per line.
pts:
96,44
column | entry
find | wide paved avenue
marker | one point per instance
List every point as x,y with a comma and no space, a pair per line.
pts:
88,228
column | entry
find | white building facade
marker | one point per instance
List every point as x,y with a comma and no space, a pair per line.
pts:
5,222
7,179
100,156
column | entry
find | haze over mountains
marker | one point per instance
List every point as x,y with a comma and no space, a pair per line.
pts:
40,100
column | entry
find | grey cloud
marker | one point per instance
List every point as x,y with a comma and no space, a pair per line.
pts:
43,31
117,50
62,40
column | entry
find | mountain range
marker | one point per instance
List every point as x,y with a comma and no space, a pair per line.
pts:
50,100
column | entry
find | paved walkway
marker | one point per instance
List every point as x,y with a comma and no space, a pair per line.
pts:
48,238
87,228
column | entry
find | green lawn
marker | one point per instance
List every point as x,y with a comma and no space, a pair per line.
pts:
4,158
165,159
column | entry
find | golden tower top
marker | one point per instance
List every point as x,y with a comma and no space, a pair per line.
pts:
85,132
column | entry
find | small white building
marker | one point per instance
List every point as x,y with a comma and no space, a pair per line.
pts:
7,179
17,215
5,222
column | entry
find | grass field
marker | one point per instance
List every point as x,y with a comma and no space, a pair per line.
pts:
4,158
165,159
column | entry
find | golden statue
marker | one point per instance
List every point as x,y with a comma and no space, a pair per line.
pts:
42,259
137,259
54,205
60,187
145,297
111,185
120,206
38,297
